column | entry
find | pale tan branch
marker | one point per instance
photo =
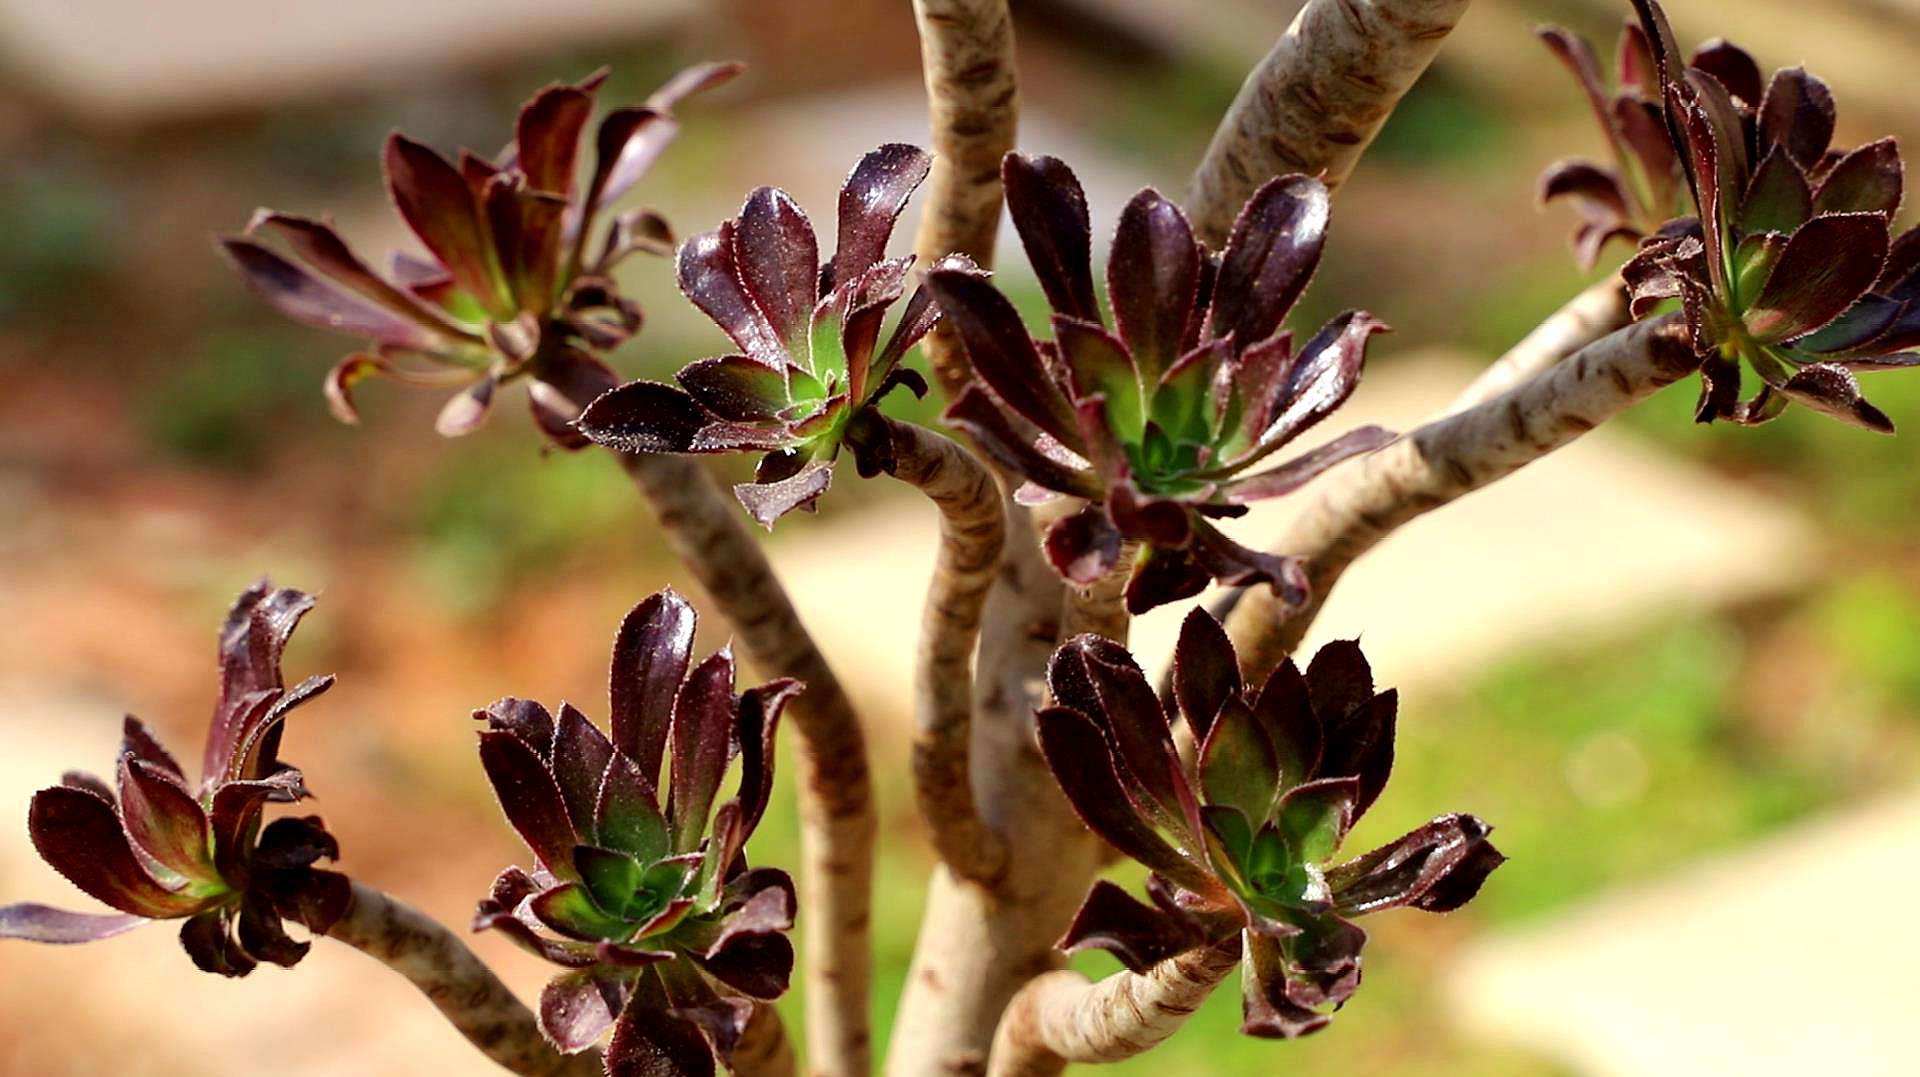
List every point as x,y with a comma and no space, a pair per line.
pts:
1587,317
972,535
708,530
764,1050
978,945
1317,100
1450,457
466,992
1061,1018
966,51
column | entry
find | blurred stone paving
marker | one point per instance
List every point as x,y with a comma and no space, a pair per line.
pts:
1794,956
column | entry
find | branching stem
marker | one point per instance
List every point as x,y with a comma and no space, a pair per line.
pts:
457,982
972,535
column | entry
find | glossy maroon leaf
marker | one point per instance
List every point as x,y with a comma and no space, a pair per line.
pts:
976,413
1778,199
1833,390
1297,472
79,835
1206,672
1238,767
317,244
867,302
40,923
164,820
1573,50
1284,708
531,799
1797,112
1360,744
778,260
694,79
759,719
701,744
577,1008
1437,866
758,965
467,410
1079,757
1002,353
1266,1011
735,387
710,276
140,743
1270,257
234,821
1158,520
871,198
766,502
1153,275
547,137
1868,180
1234,565
1827,265
1859,330
1141,742
1049,210
1140,935
917,319
649,1043
1339,680
1733,67
626,814
580,757
1588,181
305,298
644,417
261,936
1319,381
208,940
651,653
626,144
439,205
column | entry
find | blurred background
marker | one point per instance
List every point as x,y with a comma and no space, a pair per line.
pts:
1678,667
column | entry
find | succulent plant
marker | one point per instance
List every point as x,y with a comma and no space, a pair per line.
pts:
1789,268
1243,838
509,289
810,363
1166,424
1643,187
648,906
167,849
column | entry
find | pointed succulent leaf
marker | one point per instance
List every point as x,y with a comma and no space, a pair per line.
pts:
766,502
1049,210
547,137
580,757
871,199
79,835
1339,679
1270,256
1142,742
165,821
1266,1011
260,934
1778,199
1436,866
1284,709
1139,934
577,1008
1097,364
778,260
208,940
1001,437
1733,67
612,878
1206,672
1237,764
305,298
1319,381
571,911
701,743
1153,275
759,717
626,144
651,1043
1079,756
1868,180
137,741
439,205
1833,390
711,278
317,244
1797,112
1297,472
526,719
644,417
1315,817
531,799
1827,265
39,923
626,814
1002,353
